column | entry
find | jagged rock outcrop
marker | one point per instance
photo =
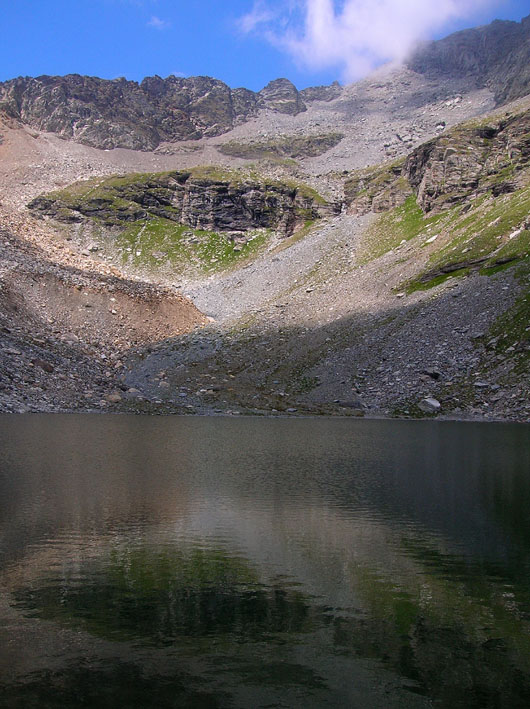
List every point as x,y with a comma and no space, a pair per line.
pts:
376,189
92,111
321,93
496,55
201,199
470,160
120,113
281,95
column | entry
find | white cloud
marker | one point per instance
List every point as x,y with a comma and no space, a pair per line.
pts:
258,16
158,24
353,35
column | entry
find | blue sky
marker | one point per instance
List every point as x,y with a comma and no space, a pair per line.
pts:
243,42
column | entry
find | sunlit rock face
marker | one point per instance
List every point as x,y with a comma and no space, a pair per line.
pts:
204,199
124,114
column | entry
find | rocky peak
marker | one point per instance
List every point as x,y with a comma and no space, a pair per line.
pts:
119,113
322,93
281,95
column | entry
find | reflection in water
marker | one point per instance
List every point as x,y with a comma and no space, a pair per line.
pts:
161,597
237,563
98,686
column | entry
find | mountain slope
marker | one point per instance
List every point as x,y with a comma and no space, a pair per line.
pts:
372,311
496,55
116,113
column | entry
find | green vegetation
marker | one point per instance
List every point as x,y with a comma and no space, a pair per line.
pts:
488,235
481,234
284,146
157,242
155,596
391,228
518,247
146,217
297,236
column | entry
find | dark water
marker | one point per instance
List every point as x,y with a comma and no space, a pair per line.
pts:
179,562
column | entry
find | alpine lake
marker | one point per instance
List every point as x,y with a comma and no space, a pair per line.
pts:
255,563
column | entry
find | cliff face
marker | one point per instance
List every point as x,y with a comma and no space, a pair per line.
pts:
470,160
496,55
119,113
202,199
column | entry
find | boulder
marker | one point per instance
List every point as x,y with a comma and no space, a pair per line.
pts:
430,405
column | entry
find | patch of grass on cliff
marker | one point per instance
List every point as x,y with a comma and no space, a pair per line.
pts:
161,243
77,188
517,248
119,194
283,146
486,237
132,178
484,232
391,228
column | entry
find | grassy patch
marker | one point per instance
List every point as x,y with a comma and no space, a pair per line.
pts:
139,216
125,197
391,228
516,248
297,236
159,242
417,285
283,146
486,230
489,237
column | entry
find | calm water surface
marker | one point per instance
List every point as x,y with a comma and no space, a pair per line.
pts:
195,562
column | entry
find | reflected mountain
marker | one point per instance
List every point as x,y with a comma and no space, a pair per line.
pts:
329,563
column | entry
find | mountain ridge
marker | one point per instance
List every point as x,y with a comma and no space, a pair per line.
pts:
495,55
116,113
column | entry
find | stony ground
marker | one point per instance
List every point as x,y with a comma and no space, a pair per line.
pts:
336,339
309,327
